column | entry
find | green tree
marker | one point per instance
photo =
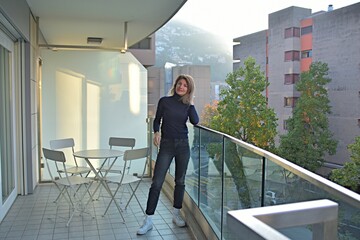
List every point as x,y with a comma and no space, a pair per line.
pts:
243,110
309,137
243,113
349,175
210,110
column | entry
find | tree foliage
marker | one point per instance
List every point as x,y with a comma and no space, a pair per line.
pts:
349,175
210,110
309,137
243,110
242,113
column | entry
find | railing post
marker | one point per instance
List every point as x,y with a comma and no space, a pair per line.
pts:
222,188
325,230
263,182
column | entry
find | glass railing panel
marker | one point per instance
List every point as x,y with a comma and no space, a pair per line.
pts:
192,185
208,169
203,178
209,172
242,181
227,174
282,186
348,221
276,178
286,187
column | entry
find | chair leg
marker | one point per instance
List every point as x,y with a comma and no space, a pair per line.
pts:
74,196
71,216
60,194
87,189
113,199
134,195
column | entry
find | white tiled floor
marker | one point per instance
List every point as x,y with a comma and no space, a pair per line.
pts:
36,216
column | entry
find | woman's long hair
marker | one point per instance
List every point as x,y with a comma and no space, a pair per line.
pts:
186,99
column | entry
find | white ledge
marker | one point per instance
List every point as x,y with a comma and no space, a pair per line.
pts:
260,223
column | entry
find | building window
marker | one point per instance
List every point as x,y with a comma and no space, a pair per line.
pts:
290,101
292,56
285,124
291,78
292,32
143,44
306,54
306,30
359,122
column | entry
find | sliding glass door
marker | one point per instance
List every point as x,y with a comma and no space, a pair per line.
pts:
7,162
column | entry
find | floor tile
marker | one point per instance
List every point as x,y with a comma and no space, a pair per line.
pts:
38,217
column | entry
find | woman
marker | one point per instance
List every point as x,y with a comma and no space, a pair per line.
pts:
172,114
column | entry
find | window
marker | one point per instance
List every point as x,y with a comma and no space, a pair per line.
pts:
143,44
292,32
291,78
285,124
292,56
290,101
306,54
306,30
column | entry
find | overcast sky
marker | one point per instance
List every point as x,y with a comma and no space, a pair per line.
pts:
235,18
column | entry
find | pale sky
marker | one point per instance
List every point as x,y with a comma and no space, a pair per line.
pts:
235,18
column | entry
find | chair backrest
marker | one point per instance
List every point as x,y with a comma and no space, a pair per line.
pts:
135,154
62,143
57,156
121,142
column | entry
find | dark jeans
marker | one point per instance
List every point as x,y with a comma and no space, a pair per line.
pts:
169,148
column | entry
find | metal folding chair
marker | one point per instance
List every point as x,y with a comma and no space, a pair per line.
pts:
127,179
109,165
69,143
69,185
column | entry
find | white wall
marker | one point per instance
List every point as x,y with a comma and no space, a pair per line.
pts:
92,95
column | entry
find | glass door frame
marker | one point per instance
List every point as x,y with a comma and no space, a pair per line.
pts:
9,45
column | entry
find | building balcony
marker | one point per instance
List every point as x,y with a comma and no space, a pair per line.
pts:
225,175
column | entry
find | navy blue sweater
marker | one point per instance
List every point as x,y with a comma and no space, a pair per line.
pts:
172,114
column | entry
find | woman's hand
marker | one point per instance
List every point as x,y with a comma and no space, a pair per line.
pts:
157,139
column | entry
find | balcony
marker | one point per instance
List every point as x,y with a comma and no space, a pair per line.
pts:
224,176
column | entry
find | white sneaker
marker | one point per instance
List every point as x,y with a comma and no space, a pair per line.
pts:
178,220
147,226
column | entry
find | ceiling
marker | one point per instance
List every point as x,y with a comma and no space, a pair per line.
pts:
71,22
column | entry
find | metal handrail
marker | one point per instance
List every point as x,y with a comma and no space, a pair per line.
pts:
342,193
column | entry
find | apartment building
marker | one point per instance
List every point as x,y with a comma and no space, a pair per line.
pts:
295,38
